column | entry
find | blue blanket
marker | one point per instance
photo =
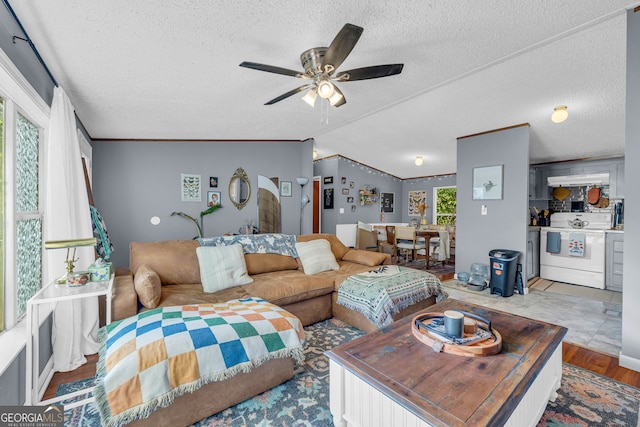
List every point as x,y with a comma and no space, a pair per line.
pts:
281,244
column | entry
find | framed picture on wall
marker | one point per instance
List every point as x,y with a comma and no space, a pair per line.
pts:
387,202
285,188
416,198
487,183
213,181
328,198
213,198
190,185
328,180
345,191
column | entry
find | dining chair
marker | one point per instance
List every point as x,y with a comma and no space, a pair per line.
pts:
366,240
405,238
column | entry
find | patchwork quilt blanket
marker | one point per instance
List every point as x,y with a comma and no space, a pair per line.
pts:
281,244
147,360
386,290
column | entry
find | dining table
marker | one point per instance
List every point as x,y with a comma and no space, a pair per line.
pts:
427,234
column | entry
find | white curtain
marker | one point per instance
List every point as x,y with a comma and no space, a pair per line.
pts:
67,216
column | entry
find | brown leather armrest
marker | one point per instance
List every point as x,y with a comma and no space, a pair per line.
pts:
124,299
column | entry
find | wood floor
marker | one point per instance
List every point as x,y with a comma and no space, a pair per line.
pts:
594,361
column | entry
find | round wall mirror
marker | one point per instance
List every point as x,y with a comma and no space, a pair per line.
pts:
239,188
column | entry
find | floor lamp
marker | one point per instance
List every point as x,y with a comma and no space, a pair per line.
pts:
303,199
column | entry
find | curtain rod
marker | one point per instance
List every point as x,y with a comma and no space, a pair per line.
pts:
28,40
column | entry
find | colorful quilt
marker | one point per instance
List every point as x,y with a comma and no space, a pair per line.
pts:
147,360
386,290
281,244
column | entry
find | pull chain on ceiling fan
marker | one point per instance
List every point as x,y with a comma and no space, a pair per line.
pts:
320,64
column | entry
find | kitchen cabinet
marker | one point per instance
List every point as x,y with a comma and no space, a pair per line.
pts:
533,253
614,243
538,189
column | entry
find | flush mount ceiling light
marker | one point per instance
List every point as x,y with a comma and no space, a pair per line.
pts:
418,161
559,114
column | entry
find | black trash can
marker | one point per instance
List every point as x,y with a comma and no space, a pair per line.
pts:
504,266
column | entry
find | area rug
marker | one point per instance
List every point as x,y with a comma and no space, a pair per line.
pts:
438,269
585,398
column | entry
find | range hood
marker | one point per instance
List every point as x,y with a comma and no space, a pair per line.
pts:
578,180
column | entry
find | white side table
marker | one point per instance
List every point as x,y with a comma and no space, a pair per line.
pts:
51,293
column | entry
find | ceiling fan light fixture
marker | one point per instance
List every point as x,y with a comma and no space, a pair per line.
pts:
325,89
310,97
335,98
418,161
560,114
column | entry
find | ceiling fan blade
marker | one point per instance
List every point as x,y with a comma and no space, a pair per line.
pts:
271,69
366,73
288,94
341,46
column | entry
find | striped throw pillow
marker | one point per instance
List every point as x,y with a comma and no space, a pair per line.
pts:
316,256
222,267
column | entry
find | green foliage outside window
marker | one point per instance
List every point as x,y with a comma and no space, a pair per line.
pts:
446,206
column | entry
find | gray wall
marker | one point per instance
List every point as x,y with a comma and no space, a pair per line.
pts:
134,181
630,354
505,225
361,175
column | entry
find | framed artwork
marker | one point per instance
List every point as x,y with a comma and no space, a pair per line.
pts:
487,183
349,199
285,188
351,184
213,198
415,198
190,186
328,180
387,202
353,208
345,191
328,198
343,180
213,181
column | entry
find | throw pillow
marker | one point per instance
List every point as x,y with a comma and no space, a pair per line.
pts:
148,286
367,258
316,256
222,267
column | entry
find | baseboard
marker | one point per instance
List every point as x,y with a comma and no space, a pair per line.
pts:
629,362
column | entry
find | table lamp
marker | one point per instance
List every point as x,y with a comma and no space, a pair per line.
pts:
69,244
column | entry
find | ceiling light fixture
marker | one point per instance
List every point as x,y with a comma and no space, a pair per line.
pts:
325,89
559,114
418,160
310,97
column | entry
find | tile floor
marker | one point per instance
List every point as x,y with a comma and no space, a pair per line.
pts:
593,322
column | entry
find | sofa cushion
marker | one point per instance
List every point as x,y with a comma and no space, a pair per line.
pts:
147,285
175,261
290,286
316,256
265,263
337,247
364,257
222,267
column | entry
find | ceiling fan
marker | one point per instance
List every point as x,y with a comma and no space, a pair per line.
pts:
320,64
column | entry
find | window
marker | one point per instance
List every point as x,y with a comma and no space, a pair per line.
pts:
444,210
23,118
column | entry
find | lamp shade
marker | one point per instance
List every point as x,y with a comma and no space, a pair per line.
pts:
72,243
302,181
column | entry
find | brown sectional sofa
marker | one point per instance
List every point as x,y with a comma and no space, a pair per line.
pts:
276,278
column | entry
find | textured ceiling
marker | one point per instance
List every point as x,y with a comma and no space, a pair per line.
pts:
161,69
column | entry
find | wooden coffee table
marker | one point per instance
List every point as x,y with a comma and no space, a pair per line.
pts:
389,378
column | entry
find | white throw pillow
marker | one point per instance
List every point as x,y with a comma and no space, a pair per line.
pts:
222,267
316,256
